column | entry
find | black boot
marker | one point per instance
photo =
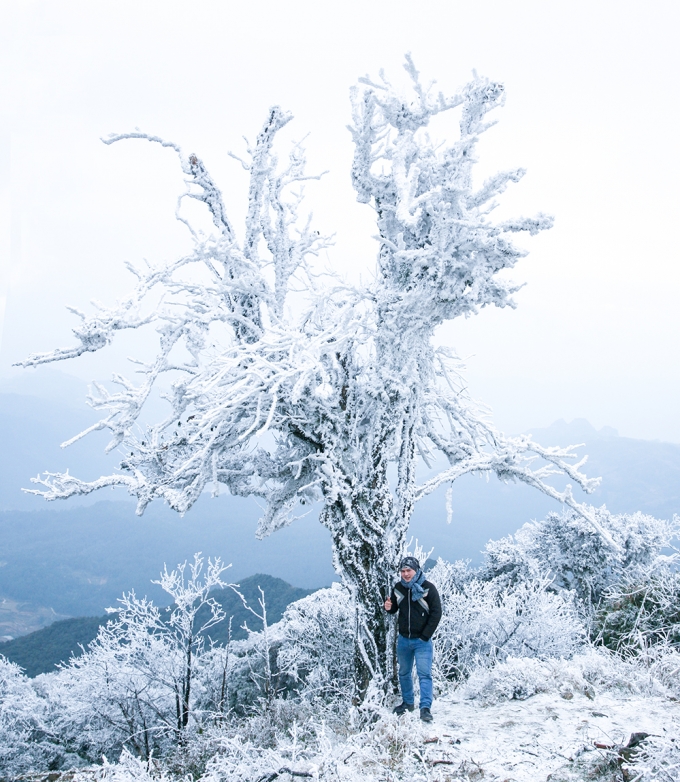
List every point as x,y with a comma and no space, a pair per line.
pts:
403,707
426,715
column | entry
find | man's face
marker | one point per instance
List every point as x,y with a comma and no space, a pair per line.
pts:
407,573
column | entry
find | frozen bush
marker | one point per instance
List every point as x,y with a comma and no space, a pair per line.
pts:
318,645
214,675
577,556
663,665
127,769
639,613
451,577
515,679
118,693
308,655
485,623
26,741
136,686
586,673
591,670
256,676
606,671
386,748
659,759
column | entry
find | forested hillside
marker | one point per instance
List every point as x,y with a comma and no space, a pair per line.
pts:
41,651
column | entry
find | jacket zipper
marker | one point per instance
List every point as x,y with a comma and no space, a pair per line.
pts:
409,617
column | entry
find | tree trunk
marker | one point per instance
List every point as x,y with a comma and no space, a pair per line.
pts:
365,553
368,525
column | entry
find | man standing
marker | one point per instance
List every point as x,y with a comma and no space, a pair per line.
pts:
420,610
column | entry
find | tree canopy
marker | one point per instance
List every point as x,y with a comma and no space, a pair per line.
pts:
296,387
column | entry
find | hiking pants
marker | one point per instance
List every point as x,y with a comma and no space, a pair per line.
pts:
409,649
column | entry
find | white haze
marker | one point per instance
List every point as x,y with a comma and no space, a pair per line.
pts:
590,113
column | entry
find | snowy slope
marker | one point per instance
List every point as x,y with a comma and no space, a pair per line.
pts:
566,736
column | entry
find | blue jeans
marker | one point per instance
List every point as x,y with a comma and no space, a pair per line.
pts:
409,649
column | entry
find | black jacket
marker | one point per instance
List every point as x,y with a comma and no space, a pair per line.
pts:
414,620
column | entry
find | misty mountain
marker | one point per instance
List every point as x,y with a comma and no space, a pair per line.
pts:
39,410
31,432
639,475
636,475
76,558
42,650
78,561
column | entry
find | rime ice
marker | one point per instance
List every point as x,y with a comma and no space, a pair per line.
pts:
350,389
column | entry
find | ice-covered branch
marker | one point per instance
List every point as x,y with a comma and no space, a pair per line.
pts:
291,387
191,595
511,460
60,486
193,168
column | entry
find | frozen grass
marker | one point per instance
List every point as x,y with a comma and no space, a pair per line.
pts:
524,721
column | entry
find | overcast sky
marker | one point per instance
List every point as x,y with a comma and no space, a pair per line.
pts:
591,112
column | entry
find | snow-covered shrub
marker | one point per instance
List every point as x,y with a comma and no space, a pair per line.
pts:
588,672
273,677
239,759
26,742
119,692
214,675
639,613
663,665
486,622
136,685
127,769
658,759
318,645
451,577
603,670
514,679
255,677
578,556
386,748
657,673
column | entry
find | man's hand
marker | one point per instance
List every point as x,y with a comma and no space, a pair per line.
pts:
388,605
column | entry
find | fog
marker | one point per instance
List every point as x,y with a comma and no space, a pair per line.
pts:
591,113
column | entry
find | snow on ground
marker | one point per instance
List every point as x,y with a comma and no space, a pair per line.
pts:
530,721
546,737
525,720
526,741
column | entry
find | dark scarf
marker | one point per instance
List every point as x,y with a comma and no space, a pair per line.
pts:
415,585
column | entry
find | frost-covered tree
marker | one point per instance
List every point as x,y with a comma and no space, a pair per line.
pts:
578,557
135,685
295,390
26,740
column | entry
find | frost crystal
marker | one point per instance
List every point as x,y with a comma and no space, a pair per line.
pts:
347,384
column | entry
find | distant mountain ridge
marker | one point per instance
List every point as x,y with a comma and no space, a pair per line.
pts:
78,561
76,558
41,651
639,475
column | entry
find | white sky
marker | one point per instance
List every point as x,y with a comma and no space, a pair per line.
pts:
592,113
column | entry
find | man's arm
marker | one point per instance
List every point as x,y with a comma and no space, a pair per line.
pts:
435,603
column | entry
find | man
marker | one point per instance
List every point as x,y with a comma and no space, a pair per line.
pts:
420,610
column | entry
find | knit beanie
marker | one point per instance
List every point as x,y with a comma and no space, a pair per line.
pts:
411,562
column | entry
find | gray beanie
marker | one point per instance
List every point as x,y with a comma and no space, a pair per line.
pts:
411,562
